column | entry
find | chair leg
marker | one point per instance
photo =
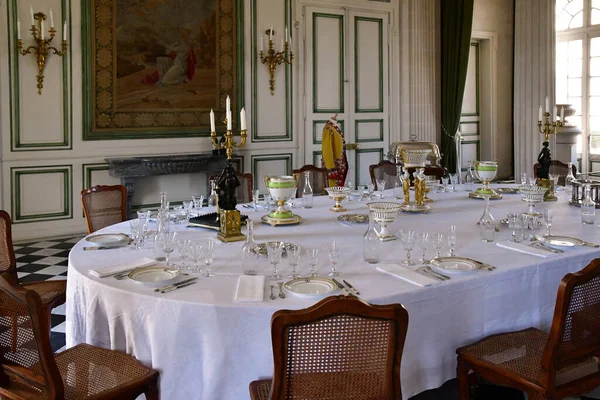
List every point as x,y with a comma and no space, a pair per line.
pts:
151,391
462,377
13,334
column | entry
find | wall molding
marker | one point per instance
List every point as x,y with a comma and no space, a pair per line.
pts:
254,160
357,109
365,121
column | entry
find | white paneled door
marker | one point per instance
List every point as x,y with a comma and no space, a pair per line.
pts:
345,72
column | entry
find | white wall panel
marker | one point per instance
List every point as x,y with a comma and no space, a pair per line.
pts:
327,62
368,61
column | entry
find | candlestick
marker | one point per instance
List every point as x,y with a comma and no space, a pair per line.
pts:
274,58
243,119
51,19
31,12
212,121
18,29
547,104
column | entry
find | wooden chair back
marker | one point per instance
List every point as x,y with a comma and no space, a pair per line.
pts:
29,358
8,262
104,205
318,179
340,348
575,333
557,168
383,170
243,193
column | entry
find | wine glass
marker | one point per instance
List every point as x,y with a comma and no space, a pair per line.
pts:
168,244
207,253
370,189
334,251
548,214
452,239
408,242
423,243
438,242
195,253
274,250
293,256
313,259
381,187
183,248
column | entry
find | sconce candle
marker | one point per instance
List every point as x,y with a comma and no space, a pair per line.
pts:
41,48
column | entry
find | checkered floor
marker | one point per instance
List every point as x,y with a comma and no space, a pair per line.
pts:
47,260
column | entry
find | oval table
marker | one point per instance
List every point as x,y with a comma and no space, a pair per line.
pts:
207,346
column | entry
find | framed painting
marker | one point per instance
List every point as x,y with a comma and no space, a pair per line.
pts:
155,68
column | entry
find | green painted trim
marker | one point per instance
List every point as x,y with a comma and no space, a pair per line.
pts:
14,91
357,161
358,140
254,160
357,109
15,188
317,161
470,133
477,152
339,110
476,113
86,55
323,121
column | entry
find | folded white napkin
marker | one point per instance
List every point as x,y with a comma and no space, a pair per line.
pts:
407,275
523,248
250,288
122,267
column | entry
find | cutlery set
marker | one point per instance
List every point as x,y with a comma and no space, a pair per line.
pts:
176,285
427,270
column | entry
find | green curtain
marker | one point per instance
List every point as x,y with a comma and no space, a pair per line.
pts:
456,21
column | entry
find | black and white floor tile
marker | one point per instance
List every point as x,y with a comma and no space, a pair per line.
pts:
48,260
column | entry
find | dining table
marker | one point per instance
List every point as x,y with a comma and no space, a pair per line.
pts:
207,345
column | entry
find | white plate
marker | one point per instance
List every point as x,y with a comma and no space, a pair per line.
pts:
454,265
561,241
109,239
154,276
310,287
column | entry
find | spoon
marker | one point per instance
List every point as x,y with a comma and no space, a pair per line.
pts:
272,296
281,294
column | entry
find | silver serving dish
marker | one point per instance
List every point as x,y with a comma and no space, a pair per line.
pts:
396,148
578,191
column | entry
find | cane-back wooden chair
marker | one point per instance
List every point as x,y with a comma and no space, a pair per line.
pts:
321,352
31,371
550,366
243,193
104,205
383,170
557,168
318,179
53,293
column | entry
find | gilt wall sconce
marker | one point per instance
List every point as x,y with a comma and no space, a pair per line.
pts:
273,59
41,49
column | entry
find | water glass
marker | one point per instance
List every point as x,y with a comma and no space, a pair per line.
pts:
370,189
255,195
195,253
167,241
250,259
452,239
274,251
334,252
422,241
198,202
453,181
137,233
523,178
438,240
548,214
313,259
408,242
381,187
293,256
183,248
445,181
207,254
349,185
513,224
178,214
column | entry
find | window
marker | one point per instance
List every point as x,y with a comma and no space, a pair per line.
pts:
578,72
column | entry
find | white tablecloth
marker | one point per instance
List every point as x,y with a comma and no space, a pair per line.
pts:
207,346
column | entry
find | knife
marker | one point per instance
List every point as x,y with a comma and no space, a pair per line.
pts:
356,292
177,287
183,282
341,286
102,247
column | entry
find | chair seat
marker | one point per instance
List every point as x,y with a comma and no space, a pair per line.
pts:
521,353
259,390
52,293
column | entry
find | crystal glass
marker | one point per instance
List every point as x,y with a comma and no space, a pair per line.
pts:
313,259
195,253
452,239
348,184
523,178
438,240
183,248
408,243
334,252
164,204
362,189
255,196
469,179
178,214
274,251
207,254
293,256
198,202
445,181
453,181
212,198
588,207
370,189
548,214
513,225
167,241
381,187
371,242
137,227
143,215
534,223
307,192
487,223
187,211
422,241
250,253
569,182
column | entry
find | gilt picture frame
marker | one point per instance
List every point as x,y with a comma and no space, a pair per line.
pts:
155,68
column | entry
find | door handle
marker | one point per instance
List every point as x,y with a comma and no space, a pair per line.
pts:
351,146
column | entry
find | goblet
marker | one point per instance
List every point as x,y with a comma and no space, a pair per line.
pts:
168,244
293,256
274,250
195,253
408,242
207,253
334,251
423,243
452,239
485,171
438,242
381,187
338,193
183,248
313,259
384,212
548,214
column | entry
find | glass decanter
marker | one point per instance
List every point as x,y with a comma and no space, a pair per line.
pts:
487,223
250,253
569,182
212,199
307,192
588,207
469,180
164,204
371,242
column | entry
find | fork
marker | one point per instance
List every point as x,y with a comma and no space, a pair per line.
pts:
426,269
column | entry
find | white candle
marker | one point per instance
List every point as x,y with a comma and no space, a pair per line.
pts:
271,33
286,34
212,121
51,19
243,119
554,114
291,44
31,12
261,43
42,30
65,31
227,106
229,120
562,114
282,45
540,116
547,104
18,29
